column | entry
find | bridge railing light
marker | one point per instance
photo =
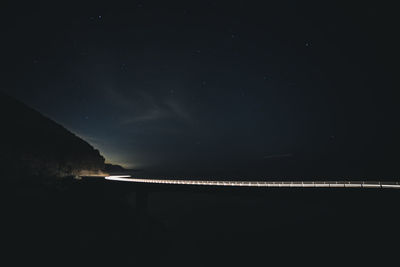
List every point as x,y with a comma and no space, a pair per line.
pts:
330,184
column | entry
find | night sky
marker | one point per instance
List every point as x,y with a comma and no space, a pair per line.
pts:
211,87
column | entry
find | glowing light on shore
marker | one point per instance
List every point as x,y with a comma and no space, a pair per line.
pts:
89,173
302,184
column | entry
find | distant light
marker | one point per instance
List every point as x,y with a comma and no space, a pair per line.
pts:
119,178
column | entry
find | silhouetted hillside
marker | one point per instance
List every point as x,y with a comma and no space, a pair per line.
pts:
108,167
34,145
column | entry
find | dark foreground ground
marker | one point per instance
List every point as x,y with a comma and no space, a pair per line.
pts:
80,223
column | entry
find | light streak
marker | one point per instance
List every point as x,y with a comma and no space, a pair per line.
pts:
304,184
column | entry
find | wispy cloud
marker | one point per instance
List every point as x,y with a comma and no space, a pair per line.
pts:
144,107
278,156
150,115
177,109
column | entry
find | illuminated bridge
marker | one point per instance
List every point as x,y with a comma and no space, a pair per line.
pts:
145,186
294,184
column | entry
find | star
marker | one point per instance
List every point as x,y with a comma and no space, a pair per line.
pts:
123,67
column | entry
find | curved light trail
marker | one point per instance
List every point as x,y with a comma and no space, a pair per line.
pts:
326,184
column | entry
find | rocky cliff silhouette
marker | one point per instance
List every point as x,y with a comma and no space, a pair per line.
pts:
34,145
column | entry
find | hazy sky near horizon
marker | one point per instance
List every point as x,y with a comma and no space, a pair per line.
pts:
186,85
